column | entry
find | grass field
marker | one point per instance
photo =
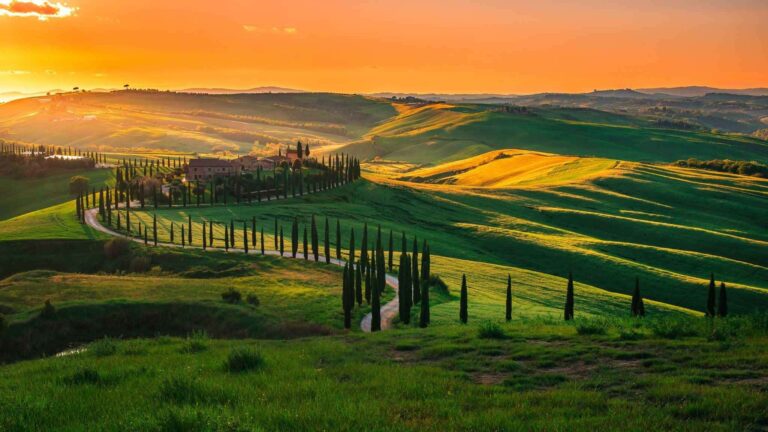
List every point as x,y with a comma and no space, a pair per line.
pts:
441,133
532,375
22,196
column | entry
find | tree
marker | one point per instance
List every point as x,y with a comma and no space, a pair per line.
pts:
276,245
262,240
358,284
245,238
78,185
352,245
294,237
210,233
306,150
722,305
711,296
415,272
154,229
299,150
171,232
368,284
348,295
404,292
463,315
231,233
315,240
425,259
569,299
338,239
306,250
375,306
253,231
364,246
226,237
205,237
327,246
189,230
508,314
638,307
424,312
282,242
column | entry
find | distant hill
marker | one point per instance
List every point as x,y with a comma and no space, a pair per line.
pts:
696,91
255,90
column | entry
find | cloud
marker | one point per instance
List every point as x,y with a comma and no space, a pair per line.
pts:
40,9
273,30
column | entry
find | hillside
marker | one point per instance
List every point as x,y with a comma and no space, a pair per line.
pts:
438,133
186,122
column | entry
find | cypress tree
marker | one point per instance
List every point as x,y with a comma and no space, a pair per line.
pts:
351,245
294,237
306,250
315,240
404,292
358,284
368,285
404,246
231,233
189,230
253,231
722,305
205,237
118,221
463,314
276,246
424,313
569,299
326,236
338,239
711,296
262,240
282,241
182,236
347,297
226,237
210,233
508,314
145,236
245,238
381,274
391,251
415,273
638,307
171,232
375,310
424,261
154,229
364,246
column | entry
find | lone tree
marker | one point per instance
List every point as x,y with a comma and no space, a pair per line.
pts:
315,240
463,315
711,296
508,314
722,305
569,299
294,237
348,296
306,250
638,307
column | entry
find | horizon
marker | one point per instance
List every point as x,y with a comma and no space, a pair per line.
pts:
345,47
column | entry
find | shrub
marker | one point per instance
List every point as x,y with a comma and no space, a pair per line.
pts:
140,264
83,376
252,300
590,328
48,312
490,330
243,360
436,284
102,347
232,296
116,247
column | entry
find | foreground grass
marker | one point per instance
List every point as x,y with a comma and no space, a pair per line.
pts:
533,375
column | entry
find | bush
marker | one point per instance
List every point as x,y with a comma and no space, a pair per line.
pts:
436,284
102,347
140,264
252,300
490,330
116,247
48,312
243,360
232,296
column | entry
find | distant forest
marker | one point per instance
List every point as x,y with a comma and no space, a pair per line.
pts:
749,168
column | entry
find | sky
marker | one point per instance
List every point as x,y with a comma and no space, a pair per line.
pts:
365,46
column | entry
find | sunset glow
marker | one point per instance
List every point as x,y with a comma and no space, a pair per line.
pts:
352,46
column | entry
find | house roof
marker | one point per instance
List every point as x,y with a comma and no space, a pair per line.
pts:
202,163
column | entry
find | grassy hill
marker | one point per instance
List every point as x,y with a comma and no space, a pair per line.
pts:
439,133
183,122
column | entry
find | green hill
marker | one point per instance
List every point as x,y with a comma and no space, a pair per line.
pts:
438,133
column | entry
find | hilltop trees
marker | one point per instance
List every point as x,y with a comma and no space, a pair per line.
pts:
638,307
569,299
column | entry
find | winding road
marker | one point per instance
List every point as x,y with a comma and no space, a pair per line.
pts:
388,310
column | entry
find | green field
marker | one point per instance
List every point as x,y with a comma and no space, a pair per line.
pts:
441,133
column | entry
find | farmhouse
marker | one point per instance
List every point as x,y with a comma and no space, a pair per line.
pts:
204,169
251,163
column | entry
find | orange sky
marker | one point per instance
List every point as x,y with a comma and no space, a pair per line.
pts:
367,46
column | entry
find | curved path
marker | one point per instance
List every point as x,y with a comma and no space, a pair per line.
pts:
388,310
